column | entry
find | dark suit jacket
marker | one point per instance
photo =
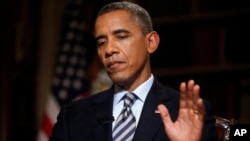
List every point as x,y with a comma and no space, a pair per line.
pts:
90,119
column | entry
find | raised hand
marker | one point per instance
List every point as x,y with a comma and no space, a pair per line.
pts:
190,120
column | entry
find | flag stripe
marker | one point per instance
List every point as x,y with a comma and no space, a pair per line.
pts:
69,82
52,108
41,136
47,125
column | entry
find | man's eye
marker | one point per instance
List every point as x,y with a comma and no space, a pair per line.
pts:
101,43
122,36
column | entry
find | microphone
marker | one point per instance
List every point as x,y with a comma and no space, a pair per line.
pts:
103,118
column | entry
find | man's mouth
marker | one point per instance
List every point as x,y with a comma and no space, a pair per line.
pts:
113,64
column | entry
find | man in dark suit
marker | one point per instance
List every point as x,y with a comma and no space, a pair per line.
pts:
125,39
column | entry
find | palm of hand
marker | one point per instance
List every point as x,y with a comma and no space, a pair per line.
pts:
190,120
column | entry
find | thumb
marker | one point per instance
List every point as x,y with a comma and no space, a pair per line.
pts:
164,115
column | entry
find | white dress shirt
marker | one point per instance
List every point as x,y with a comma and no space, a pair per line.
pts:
141,92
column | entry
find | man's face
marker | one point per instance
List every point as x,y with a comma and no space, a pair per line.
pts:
122,47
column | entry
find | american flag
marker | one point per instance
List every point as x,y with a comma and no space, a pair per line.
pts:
69,82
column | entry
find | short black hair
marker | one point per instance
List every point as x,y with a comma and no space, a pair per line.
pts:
140,15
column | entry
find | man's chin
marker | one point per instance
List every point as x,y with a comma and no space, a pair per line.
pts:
118,79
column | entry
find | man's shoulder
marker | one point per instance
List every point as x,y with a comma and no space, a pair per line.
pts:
90,99
165,89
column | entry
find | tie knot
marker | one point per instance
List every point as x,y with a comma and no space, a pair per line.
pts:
129,99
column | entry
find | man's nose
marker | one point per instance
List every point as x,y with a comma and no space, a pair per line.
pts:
111,49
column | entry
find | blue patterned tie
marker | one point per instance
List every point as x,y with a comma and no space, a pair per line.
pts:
125,126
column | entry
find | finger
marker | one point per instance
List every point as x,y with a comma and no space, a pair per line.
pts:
198,105
201,106
191,84
200,112
195,102
165,115
190,88
183,95
190,93
196,91
195,97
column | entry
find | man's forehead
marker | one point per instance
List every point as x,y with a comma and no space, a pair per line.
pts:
118,14
113,22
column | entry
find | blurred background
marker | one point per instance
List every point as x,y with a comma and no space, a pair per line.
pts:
48,57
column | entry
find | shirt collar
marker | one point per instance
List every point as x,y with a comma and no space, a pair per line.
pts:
141,91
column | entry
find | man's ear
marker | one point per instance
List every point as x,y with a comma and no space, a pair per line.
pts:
153,40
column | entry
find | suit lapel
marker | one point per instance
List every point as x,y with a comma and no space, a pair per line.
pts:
102,122
150,121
